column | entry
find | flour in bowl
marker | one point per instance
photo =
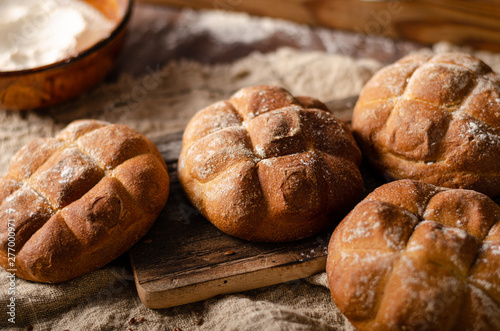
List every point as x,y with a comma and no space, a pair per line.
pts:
35,33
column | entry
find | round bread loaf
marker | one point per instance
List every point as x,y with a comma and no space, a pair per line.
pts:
71,204
434,118
266,166
413,256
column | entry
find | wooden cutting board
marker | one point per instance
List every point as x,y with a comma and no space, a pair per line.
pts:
184,258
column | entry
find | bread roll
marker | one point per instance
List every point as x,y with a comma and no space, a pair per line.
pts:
413,256
434,118
266,166
73,203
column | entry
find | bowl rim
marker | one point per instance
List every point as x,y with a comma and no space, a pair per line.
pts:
76,57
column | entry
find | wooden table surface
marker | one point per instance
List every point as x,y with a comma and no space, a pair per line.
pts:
159,34
474,23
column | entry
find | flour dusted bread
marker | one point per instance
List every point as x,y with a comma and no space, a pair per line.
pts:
434,118
73,203
267,166
413,256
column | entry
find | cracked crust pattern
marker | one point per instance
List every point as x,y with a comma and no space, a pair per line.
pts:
413,256
75,202
435,119
268,166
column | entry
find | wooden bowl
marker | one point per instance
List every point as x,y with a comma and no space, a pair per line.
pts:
57,82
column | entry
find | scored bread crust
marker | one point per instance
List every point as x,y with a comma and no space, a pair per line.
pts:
73,203
267,166
413,256
434,118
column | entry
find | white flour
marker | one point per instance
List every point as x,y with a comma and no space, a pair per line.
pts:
35,33
240,28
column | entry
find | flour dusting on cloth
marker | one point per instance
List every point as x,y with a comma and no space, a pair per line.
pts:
159,103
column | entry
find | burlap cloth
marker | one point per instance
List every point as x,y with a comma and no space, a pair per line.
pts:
157,100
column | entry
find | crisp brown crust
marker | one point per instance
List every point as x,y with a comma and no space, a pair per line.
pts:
413,256
79,200
435,119
266,166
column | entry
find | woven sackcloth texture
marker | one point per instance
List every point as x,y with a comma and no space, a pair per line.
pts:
169,96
